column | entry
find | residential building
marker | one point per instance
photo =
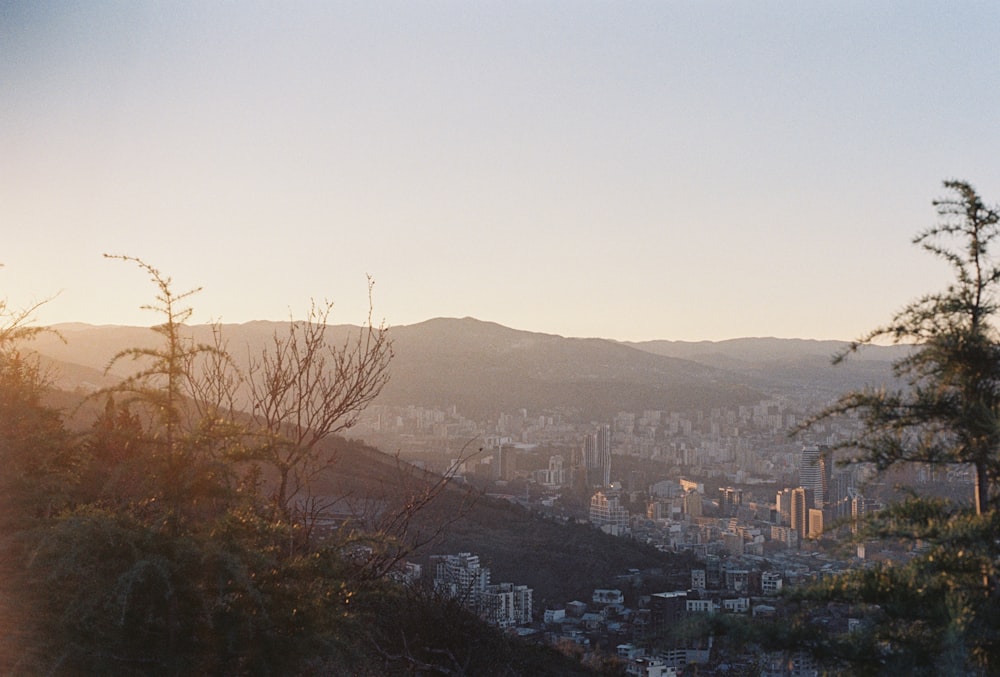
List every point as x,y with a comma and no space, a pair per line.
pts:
770,582
801,502
460,576
607,513
505,605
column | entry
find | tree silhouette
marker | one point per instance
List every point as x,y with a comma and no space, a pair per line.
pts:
950,411
303,388
938,612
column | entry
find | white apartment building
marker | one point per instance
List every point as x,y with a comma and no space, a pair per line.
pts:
506,605
461,577
607,513
770,582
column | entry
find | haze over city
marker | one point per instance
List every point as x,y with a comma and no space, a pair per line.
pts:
624,170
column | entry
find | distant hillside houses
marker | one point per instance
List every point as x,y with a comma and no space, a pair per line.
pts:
461,577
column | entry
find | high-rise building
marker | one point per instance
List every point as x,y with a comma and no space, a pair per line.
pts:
859,508
590,451
815,469
597,456
460,576
506,605
783,507
815,523
802,500
730,499
692,504
557,472
507,462
604,453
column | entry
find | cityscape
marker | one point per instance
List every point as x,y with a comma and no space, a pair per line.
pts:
758,509
716,517
486,339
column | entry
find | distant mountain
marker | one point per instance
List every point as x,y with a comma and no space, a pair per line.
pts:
484,368
780,365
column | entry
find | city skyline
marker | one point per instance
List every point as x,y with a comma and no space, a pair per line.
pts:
684,171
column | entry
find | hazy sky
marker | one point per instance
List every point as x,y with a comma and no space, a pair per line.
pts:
630,170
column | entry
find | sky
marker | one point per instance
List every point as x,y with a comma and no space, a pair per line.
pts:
626,170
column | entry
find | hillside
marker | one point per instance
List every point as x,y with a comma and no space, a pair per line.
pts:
560,561
484,367
489,368
787,365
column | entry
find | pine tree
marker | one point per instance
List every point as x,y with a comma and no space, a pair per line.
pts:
938,613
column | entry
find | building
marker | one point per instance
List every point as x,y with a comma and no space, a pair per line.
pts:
859,508
770,582
506,462
597,456
460,576
787,536
692,504
783,507
815,469
607,514
649,667
733,543
555,475
604,596
667,608
815,523
554,615
801,502
737,580
557,470
505,605
696,606
729,500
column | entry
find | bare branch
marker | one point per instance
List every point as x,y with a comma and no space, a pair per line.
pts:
303,389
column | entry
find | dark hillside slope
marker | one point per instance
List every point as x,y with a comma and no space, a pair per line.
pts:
560,561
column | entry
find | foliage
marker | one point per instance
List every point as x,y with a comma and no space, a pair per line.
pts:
936,613
930,615
950,411
164,378
423,633
155,543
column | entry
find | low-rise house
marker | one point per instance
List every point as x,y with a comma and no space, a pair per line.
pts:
554,615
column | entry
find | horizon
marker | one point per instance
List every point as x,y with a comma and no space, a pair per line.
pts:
58,325
676,171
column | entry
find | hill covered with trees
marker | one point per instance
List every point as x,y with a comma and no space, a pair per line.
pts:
169,532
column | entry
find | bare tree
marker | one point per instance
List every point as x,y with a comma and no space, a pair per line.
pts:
303,389
16,324
394,524
296,392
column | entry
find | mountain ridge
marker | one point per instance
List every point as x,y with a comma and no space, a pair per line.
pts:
487,368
